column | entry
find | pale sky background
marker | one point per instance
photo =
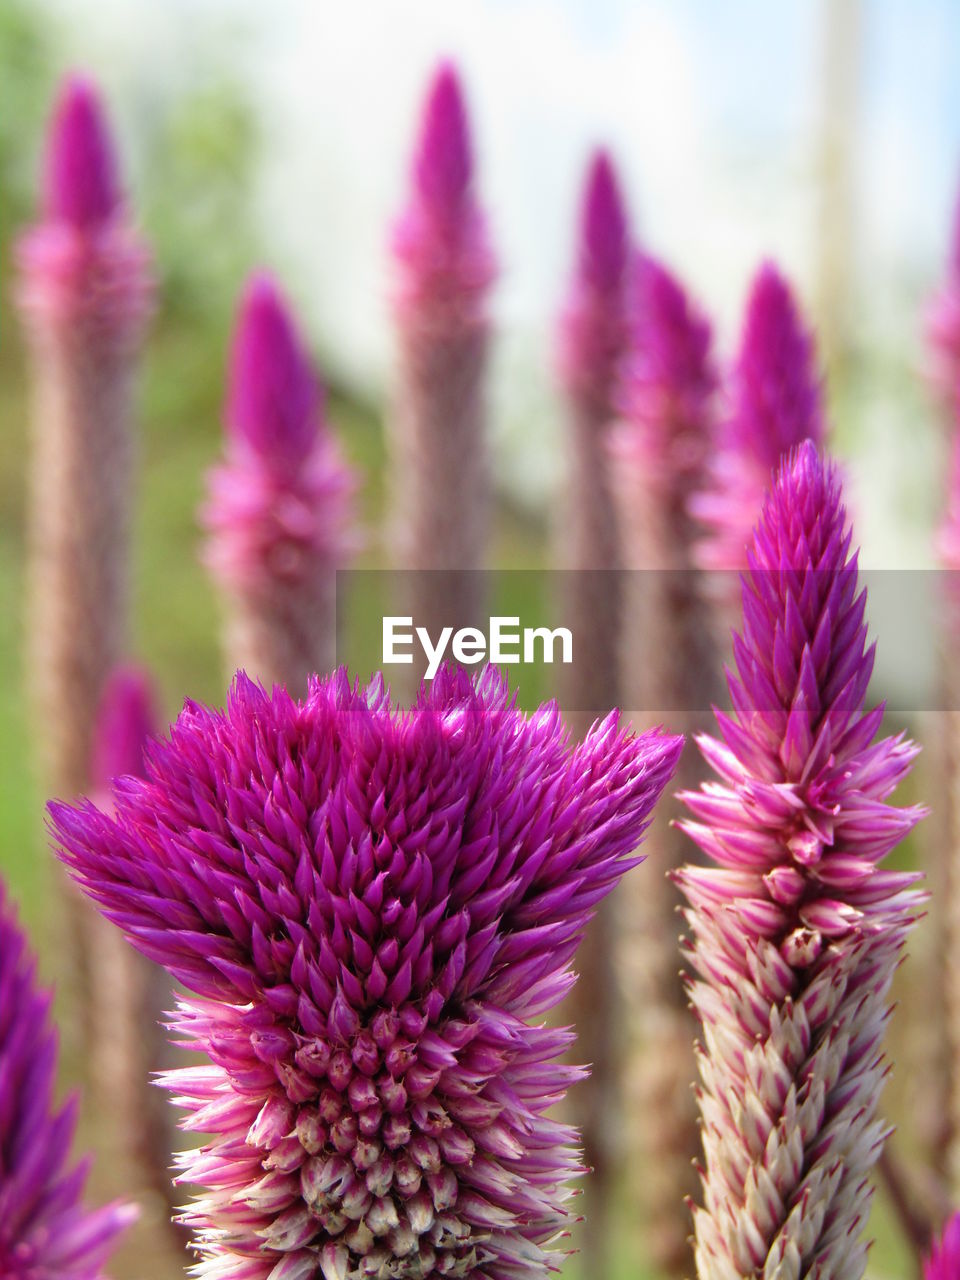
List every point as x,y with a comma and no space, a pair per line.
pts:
713,112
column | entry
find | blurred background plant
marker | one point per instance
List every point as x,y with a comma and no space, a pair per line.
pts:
824,135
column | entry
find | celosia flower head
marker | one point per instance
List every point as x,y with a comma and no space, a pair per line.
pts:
82,262
943,1260
440,239
80,183
46,1233
280,506
127,720
943,324
775,404
372,909
593,325
795,928
668,383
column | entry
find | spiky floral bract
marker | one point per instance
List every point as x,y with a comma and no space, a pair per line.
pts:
279,513
371,909
46,1232
776,403
795,931
943,1260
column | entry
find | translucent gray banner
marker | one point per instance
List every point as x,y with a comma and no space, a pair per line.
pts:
646,640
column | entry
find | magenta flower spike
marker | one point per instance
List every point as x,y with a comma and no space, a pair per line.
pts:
85,292
443,270
943,327
795,930
658,454
776,403
592,338
371,910
593,325
943,1260
280,508
81,186
440,239
666,403
45,1229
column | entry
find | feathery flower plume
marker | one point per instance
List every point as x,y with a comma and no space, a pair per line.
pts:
372,909
438,437
279,513
45,1230
659,451
592,340
776,404
795,931
85,293
943,1260
943,326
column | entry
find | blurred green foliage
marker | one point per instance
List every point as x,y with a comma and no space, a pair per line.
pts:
25,76
198,160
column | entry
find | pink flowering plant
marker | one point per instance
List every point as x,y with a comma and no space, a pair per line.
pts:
795,929
371,910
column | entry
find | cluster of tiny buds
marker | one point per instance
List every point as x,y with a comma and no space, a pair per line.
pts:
372,1156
